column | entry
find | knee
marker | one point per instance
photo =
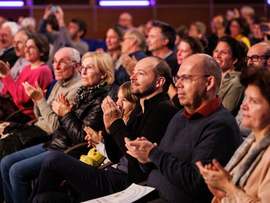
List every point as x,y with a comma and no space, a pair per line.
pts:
6,164
53,159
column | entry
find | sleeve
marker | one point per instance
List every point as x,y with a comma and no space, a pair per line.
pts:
185,175
234,98
64,37
154,127
42,29
75,126
101,148
44,109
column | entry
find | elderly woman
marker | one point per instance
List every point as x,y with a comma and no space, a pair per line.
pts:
37,53
246,177
229,56
20,167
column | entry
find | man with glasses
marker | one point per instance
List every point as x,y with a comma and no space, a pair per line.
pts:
66,65
132,50
258,57
202,131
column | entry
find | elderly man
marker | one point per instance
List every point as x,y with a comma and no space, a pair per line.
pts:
131,51
19,46
150,117
7,33
66,65
258,57
70,36
161,42
203,130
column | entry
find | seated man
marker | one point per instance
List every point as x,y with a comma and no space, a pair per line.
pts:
150,117
203,130
69,81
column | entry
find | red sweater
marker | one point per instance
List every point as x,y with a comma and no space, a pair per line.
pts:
42,75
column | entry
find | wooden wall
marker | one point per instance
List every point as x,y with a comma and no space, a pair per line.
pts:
175,12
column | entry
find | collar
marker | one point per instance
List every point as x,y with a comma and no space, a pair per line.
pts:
206,110
62,84
168,54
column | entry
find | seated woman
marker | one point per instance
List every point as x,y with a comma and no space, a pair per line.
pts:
229,55
97,76
36,52
129,101
246,177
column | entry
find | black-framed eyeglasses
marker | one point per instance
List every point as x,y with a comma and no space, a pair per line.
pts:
187,79
256,58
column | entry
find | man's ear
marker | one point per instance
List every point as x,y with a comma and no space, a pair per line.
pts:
210,83
165,42
160,81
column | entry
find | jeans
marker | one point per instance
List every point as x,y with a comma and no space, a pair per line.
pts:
18,169
88,182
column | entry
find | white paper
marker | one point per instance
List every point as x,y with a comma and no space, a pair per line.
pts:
131,194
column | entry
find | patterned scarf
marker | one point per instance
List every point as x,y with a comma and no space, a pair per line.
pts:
243,170
84,92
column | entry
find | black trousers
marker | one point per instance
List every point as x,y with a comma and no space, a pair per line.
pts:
86,181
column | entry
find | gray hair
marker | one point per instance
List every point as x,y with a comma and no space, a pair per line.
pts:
14,27
139,36
75,56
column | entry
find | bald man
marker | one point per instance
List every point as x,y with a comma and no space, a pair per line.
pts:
203,130
258,57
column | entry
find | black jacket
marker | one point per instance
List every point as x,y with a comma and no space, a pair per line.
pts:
89,113
151,124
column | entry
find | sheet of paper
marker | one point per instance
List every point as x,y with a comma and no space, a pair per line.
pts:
131,194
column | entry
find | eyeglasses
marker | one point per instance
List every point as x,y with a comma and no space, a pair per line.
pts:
187,79
256,58
62,63
87,68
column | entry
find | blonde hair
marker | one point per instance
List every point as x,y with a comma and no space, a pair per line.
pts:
103,62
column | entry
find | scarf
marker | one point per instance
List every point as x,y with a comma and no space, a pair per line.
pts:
84,92
244,168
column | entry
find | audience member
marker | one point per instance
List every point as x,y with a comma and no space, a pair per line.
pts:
181,32
67,36
126,20
66,71
239,30
218,27
204,129
246,177
198,29
150,118
36,52
228,56
125,99
257,35
30,23
258,58
161,42
97,75
248,13
19,47
132,50
7,33
2,20
114,37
